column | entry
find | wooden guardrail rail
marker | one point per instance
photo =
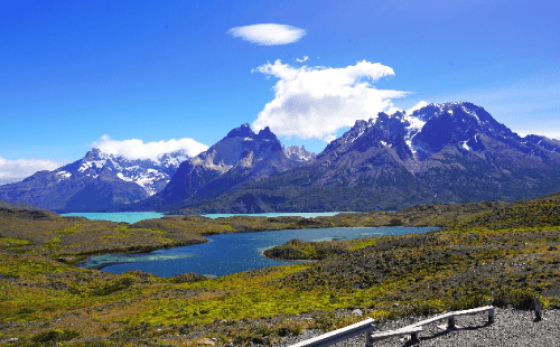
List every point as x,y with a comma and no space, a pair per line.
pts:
366,327
416,327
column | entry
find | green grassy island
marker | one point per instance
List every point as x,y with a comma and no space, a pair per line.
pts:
507,252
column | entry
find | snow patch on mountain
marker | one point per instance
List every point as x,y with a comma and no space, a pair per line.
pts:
416,125
85,165
299,154
471,112
63,175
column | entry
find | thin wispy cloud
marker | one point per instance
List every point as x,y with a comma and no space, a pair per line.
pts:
137,149
302,60
268,34
17,170
315,102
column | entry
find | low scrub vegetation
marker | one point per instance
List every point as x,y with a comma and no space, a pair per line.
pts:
505,252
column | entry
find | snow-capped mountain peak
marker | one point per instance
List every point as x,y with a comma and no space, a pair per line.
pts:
425,131
151,175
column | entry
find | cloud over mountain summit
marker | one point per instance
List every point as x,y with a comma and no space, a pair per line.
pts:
315,102
137,149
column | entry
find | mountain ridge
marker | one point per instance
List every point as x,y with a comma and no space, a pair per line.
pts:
441,153
453,152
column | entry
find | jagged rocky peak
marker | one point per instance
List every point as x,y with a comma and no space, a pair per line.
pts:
173,159
243,131
455,110
425,131
461,124
241,157
266,134
299,153
95,153
348,138
241,147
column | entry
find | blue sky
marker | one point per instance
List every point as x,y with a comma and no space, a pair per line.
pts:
74,71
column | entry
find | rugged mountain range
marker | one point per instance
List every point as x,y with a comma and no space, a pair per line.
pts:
240,159
453,152
96,182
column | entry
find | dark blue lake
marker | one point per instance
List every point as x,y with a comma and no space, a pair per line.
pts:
230,253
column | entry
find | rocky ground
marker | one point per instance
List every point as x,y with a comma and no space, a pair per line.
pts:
510,328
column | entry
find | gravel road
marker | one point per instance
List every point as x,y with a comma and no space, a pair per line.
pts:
510,328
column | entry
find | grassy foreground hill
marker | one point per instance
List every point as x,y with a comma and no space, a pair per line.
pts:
507,252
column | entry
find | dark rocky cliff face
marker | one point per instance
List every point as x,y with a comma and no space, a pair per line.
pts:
239,159
454,152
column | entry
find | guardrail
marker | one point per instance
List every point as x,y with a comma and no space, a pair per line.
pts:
414,328
364,327
367,327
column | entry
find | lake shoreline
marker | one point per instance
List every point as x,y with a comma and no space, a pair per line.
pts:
240,224
215,257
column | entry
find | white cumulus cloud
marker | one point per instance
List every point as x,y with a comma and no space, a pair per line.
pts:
315,102
17,170
268,34
137,149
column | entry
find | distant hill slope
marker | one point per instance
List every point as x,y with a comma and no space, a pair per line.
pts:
442,153
25,211
4,204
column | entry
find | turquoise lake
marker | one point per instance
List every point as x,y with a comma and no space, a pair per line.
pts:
133,217
128,217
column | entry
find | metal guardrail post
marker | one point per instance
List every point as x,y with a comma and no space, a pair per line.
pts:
368,338
413,336
538,311
451,323
490,313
